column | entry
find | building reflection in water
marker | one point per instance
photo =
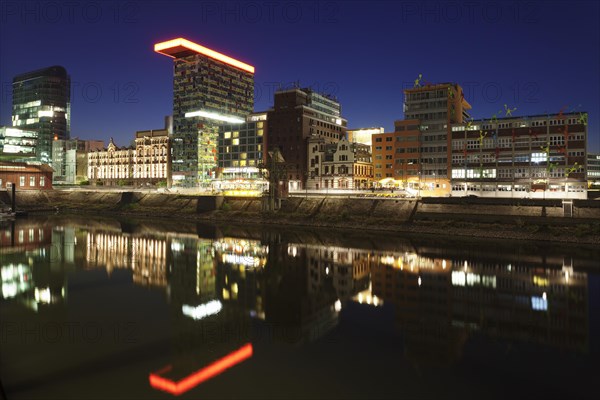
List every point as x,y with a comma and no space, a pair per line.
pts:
226,291
23,246
439,302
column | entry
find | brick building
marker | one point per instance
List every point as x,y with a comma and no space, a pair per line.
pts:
297,115
26,176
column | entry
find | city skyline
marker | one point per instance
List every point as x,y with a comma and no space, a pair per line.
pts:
366,60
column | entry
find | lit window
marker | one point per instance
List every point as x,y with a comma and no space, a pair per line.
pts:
32,181
22,181
539,157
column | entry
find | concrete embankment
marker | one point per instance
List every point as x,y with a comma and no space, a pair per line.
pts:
520,219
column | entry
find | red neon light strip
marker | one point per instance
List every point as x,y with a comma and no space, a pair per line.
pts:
164,47
204,374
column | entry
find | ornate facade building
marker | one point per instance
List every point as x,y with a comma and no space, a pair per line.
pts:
149,163
341,165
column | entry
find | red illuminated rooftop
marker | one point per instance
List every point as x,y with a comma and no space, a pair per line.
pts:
181,47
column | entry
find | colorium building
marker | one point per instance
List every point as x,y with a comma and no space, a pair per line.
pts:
209,89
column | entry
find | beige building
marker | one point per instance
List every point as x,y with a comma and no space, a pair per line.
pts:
149,163
341,165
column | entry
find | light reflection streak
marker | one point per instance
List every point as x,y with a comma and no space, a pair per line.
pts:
202,375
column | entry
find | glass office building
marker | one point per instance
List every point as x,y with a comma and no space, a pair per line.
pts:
210,89
42,103
17,144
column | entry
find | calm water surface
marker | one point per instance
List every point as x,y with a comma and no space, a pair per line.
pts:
102,308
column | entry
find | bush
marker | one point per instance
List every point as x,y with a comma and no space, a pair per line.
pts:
226,207
121,182
161,184
84,183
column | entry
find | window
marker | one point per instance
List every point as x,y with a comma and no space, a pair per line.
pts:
378,140
539,157
458,173
388,148
22,181
388,139
32,181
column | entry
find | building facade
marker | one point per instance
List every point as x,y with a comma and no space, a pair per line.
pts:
593,171
42,103
242,156
436,107
397,161
25,176
538,156
209,89
341,165
243,145
110,166
17,143
297,115
69,159
148,163
152,158
363,135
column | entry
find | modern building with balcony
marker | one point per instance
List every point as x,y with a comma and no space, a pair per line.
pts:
42,103
537,156
210,89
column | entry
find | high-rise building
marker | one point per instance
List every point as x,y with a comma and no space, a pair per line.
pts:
209,89
297,115
42,103
436,106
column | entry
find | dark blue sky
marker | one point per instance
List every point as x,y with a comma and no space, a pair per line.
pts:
536,56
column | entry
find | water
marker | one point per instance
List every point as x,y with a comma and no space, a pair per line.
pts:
101,308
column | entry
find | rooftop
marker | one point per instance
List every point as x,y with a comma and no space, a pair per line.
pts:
180,47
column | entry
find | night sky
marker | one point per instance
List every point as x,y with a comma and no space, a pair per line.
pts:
536,56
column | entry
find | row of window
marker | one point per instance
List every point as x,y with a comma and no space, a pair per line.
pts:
23,180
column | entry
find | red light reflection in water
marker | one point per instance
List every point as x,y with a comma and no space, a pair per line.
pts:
204,374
